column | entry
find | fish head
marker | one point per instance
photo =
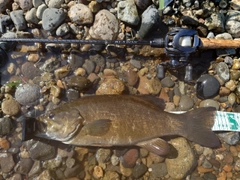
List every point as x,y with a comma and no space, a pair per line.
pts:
60,124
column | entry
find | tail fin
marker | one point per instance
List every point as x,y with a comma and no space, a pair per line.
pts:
198,127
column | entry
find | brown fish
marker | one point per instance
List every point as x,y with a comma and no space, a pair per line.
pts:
125,120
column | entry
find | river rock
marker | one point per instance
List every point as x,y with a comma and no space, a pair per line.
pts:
103,155
142,4
78,83
209,103
29,70
24,165
25,4
223,71
127,12
80,14
185,103
111,175
131,77
158,170
129,158
89,66
207,86
54,4
62,30
31,16
28,94
139,170
37,3
5,126
111,86
40,10
232,23
6,162
149,18
10,107
181,165
40,150
215,22
18,20
4,4
52,18
231,138
149,86
105,26
167,82
36,168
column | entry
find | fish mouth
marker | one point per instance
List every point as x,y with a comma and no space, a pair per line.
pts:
72,134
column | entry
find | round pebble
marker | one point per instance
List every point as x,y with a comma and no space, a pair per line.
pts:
185,103
10,107
207,87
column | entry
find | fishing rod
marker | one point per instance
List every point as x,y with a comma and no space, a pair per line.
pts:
178,44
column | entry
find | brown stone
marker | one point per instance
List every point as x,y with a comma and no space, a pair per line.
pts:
201,169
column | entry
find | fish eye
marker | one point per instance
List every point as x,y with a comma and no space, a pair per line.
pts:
51,115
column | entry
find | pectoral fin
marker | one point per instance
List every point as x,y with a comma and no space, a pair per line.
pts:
97,127
157,146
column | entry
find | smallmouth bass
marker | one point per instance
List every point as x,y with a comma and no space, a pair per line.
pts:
125,120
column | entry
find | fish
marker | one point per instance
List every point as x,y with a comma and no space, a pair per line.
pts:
125,120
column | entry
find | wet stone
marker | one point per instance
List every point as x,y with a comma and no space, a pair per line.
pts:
75,60
46,174
10,107
52,163
78,83
97,172
62,30
209,103
72,94
158,170
74,171
5,126
142,4
231,138
31,16
28,94
207,86
125,171
111,175
36,168
99,61
89,66
24,165
4,144
103,155
129,158
6,162
139,170
185,103
29,70
40,150
111,86
40,11
167,82
54,3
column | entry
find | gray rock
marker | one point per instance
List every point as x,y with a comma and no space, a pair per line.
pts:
72,94
231,138
179,167
6,162
167,82
28,94
40,10
136,63
29,70
36,168
80,14
24,166
50,65
139,170
209,103
233,23
4,4
4,21
206,164
37,3
31,16
149,18
103,155
127,12
105,26
18,20
215,22
89,66
99,61
223,71
75,59
54,3
62,30
5,126
74,171
52,18
185,103
25,4
142,4
40,150
158,170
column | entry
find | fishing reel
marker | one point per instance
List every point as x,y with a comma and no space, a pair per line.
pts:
179,44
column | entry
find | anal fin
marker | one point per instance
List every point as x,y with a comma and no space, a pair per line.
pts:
157,146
